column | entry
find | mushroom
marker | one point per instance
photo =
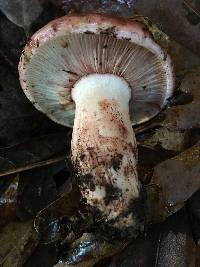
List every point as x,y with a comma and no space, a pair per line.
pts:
100,75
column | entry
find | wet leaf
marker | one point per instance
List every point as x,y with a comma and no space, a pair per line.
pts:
88,250
21,12
51,222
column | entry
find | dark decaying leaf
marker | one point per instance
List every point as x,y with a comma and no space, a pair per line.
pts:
21,12
36,150
19,120
167,244
178,179
33,165
18,240
176,249
148,158
37,188
10,49
43,256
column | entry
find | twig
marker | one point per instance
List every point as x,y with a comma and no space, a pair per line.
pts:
33,165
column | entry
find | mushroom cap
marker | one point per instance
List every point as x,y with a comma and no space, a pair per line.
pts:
73,46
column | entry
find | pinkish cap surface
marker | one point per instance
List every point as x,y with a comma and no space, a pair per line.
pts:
74,46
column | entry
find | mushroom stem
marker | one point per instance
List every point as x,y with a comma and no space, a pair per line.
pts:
104,150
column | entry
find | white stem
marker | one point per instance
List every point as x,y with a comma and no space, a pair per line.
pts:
104,150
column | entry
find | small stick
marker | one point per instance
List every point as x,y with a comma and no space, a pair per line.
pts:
33,165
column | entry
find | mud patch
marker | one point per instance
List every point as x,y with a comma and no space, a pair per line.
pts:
112,193
87,182
116,162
